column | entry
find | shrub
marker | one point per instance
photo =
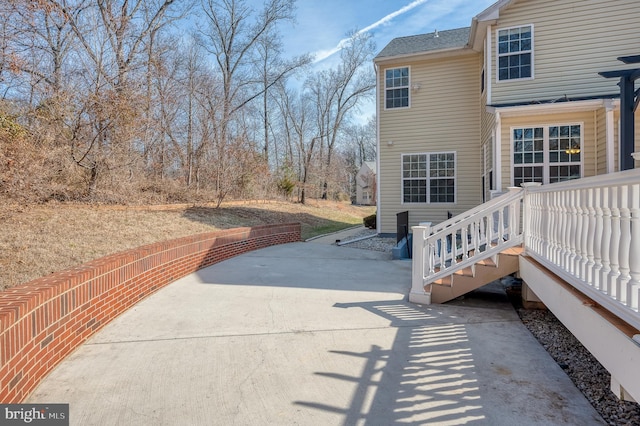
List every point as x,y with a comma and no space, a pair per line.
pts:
370,221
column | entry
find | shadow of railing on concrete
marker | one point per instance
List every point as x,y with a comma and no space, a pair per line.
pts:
427,376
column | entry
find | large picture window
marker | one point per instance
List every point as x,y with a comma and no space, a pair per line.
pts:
515,53
396,84
428,177
546,154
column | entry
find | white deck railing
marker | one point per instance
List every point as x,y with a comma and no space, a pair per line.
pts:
463,240
587,232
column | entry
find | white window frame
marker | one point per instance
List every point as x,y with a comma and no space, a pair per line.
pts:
499,55
428,178
546,164
408,87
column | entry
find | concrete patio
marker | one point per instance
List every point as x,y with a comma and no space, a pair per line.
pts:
312,334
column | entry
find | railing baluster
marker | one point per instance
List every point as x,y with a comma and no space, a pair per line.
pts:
482,233
531,229
566,231
588,235
465,242
584,234
553,233
490,228
444,252
634,249
605,282
597,239
625,242
573,235
431,258
559,234
614,248
546,225
500,226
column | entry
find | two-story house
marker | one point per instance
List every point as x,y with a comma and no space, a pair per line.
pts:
366,184
463,114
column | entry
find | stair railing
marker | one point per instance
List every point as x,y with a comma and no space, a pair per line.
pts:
464,240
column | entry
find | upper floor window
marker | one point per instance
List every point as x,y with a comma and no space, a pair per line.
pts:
429,177
515,51
396,85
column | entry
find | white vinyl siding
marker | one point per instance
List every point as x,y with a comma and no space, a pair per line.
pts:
574,40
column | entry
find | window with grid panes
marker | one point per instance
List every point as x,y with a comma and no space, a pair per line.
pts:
547,154
428,177
515,53
396,84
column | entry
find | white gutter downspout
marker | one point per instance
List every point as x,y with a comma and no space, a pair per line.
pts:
610,138
497,149
378,151
487,56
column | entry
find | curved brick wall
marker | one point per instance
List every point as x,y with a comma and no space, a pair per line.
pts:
42,321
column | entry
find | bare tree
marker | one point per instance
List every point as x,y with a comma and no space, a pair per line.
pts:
233,34
273,69
361,140
112,34
337,91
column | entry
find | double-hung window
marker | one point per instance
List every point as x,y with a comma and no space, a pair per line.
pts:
515,53
547,154
429,177
396,88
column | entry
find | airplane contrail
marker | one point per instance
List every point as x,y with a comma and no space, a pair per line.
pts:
323,54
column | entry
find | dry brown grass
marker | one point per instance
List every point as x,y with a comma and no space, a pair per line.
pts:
38,240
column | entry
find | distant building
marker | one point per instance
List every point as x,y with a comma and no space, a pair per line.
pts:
366,184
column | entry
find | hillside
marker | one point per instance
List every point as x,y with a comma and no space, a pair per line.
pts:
37,240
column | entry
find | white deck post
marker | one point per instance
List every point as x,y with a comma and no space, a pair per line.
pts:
417,294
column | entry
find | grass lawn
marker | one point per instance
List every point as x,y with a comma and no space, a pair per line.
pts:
38,240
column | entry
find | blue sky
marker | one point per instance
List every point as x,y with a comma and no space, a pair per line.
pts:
322,24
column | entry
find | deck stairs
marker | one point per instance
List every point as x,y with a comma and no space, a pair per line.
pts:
467,251
475,276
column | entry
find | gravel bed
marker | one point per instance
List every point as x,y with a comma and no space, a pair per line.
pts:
589,376
374,243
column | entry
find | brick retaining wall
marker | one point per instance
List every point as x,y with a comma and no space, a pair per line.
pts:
44,320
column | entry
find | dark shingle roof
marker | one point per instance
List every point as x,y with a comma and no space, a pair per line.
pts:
447,39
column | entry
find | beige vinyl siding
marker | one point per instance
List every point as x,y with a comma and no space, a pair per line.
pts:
586,118
573,41
443,116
